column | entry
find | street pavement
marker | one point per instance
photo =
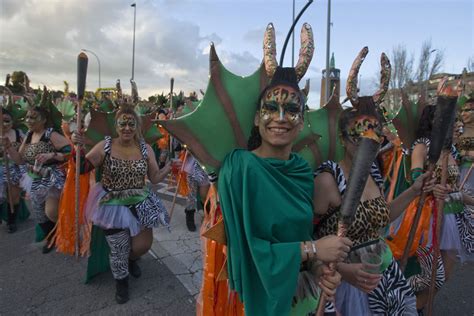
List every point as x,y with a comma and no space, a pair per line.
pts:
32,283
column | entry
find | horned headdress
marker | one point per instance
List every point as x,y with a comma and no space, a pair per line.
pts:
368,102
276,72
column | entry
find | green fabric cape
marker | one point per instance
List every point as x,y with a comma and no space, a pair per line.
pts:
267,208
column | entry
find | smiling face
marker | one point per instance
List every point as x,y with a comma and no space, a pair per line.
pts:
126,126
280,117
467,113
34,120
7,122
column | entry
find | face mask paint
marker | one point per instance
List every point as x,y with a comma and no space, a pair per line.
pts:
126,120
281,103
32,118
7,122
363,124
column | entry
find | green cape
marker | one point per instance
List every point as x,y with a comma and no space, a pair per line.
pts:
267,208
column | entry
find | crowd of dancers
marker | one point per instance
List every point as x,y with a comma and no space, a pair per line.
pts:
274,242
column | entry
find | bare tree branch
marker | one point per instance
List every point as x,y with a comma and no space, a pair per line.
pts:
470,64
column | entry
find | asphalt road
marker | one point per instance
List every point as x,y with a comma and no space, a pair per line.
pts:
32,283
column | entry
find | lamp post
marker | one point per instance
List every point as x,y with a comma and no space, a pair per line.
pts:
98,61
293,40
134,5
328,42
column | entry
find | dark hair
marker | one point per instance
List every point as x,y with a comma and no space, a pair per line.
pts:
425,124
44,115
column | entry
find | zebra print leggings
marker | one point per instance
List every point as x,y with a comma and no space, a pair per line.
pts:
120,244
196,178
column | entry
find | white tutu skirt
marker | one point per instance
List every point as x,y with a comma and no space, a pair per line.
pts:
146,214
393,296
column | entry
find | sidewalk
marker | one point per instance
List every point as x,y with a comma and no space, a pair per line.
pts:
180,249
32,283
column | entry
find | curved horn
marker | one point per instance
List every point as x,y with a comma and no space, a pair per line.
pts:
44,98
269,51
134,91
351,85
119,89
385,72
29,100
306,51
305,90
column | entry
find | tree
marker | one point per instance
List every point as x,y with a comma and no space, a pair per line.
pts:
404,74
470,64
402,67
426,68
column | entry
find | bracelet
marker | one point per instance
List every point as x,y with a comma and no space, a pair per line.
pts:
306,250
314,248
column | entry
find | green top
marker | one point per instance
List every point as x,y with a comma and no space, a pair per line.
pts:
267,208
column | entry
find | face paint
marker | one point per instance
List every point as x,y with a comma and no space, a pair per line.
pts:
279,103
362,124
7,121
32,118
126,120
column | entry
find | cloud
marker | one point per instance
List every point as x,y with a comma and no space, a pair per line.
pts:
43,38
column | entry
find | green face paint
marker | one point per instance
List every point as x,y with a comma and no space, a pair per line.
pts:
281,103
127,120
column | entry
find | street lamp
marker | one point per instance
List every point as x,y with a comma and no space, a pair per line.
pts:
134,5
98,61
328,41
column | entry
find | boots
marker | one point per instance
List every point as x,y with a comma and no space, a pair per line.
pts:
190,220
134,268
121,293
11,218
47,227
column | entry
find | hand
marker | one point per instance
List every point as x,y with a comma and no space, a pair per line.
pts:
441,192
429,182
329,281
355,275
417,186
78,138
447,90
6,143
43,158
166,168
332,248
176,164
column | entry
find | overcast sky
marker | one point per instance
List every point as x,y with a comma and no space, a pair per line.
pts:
43,37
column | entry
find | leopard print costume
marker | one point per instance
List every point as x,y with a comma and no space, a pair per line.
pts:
15,170
121,220
371,215
48,185
44,146
120,174
393,295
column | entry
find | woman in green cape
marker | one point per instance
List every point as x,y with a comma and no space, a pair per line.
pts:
266,199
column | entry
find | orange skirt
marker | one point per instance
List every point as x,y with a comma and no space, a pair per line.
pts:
65,235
